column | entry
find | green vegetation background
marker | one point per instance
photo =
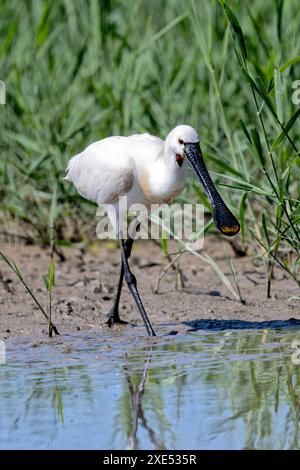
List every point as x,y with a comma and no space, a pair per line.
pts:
79,71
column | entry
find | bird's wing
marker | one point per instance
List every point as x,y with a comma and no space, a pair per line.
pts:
102,172
145,143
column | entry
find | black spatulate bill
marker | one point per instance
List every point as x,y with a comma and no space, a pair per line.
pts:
225,221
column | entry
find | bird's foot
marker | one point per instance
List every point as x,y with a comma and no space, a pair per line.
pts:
113,317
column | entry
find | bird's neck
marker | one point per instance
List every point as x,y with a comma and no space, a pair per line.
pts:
164,178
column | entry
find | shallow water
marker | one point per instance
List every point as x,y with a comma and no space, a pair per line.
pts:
211,388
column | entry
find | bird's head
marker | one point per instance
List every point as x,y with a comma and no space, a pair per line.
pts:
183,142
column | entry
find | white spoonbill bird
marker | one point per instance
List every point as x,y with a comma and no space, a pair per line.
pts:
146,170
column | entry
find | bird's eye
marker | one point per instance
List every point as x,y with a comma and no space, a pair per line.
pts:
180,141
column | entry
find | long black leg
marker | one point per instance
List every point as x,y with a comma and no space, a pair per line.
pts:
113,314
131,282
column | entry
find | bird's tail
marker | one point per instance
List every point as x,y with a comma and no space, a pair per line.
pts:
70,168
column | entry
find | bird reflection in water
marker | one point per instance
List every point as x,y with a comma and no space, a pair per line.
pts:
138,416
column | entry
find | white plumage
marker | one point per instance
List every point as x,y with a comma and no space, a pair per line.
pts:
141,166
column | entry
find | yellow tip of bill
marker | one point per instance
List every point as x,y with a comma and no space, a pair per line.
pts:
230,230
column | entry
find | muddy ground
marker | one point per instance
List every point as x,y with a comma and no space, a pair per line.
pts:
86,282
